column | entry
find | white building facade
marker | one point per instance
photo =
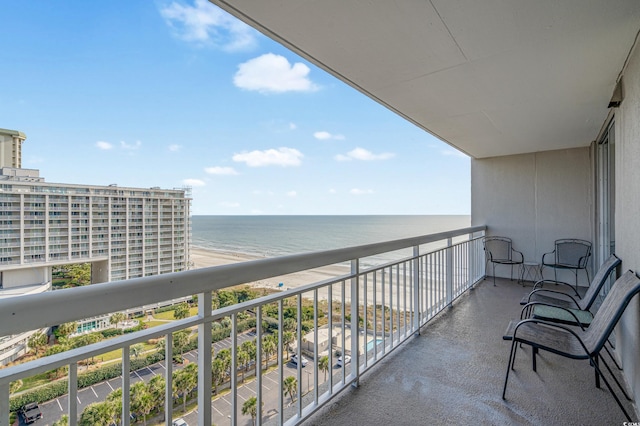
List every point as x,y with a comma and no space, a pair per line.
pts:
122,232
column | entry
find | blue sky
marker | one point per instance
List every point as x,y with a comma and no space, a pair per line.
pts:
174,93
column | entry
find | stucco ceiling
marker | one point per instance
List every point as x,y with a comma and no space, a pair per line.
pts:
489,77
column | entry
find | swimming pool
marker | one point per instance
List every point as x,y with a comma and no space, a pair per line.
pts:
370,344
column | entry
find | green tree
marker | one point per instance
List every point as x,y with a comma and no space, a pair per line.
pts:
290,387
156,389
225,356
226,298
249,346
243,360
288,337
37,341
62,421
80,273
141,400
323,365
117,318
250,407
183,383
136,350
269,347
114,399
217,372
180,340
67,329
181,311
97,414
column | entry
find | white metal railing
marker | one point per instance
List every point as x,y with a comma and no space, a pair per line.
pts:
364,314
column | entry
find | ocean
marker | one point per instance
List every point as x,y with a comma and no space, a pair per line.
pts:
271,236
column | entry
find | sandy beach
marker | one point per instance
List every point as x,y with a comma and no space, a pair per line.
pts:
203,258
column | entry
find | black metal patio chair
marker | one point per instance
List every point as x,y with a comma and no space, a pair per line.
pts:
576,343
570,254
499,250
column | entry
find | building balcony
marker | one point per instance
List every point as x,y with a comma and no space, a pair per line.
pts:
427,348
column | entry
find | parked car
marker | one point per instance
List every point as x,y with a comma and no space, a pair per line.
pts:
294,360
179,422
346,359
30,413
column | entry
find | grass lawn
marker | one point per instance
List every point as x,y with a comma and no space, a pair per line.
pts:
168,315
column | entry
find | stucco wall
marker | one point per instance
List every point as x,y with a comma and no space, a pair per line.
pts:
628,214
534,199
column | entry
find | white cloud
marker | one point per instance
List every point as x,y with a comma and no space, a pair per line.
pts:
292,194
193,182
322,135
175,148
363,155
357,191
292,126
104,145
271,157
206,24
221,171
332,191
130,147
272,73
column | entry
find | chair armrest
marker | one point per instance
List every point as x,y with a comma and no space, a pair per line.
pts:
529,307
545,290
520,253
541,282
545,255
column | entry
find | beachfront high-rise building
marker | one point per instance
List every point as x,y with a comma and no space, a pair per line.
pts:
122,232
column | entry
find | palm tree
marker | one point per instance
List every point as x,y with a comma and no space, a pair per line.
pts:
323,365
288,337
96,414
224,355
117,318
67,329
181,311
217,372
141,400
156,389
249,346
290,387
115,400
250,407
180,340
136,350
243,360
184,381
269,346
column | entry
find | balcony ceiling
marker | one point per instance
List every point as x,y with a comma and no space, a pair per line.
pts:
490,77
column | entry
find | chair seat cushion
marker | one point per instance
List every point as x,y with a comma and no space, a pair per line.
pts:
554,314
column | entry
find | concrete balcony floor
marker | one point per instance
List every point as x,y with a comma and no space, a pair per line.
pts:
453,373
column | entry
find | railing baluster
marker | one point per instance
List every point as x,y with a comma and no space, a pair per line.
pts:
204,358
72,402
316,356
4,403
233,377
126,381
355,313
280,418
168,379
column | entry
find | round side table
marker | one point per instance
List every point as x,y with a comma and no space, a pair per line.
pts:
530,271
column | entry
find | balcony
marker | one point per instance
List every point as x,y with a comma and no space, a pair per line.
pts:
452,372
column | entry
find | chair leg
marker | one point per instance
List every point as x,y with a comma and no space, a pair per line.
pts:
624,392
512,355
494,274
606,382
534,353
